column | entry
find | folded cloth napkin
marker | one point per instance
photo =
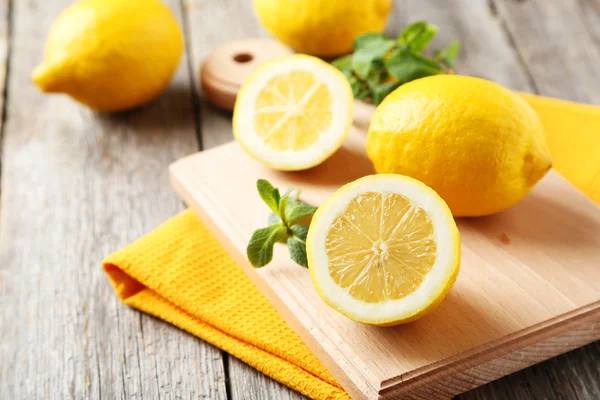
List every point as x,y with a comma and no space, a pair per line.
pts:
181,274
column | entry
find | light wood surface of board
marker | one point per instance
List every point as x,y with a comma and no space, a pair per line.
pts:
529,276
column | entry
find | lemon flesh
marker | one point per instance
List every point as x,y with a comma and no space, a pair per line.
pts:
293,113
381,247
383,250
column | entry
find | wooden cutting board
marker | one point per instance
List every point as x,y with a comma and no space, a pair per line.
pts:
529,287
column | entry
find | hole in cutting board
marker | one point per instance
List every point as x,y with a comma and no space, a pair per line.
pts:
243,58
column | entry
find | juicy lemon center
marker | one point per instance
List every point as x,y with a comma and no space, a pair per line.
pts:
380,247
292,111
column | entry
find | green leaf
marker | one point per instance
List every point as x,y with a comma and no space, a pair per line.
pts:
344,64
377,74
260,247
269,194
283,206
449,55
300,231
407,66
297,249
294,195
364,93
296,210
370,51
367,39
381,91
418,35
274,219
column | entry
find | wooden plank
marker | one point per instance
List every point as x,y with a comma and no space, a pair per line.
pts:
4,42
77,186
206,20
574,375
559,43
211,23
246,383
486,51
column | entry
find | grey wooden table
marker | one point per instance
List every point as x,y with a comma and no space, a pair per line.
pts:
77,186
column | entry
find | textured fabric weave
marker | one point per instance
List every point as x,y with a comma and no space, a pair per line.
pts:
181,274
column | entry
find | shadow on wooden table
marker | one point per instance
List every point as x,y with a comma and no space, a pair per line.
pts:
173,110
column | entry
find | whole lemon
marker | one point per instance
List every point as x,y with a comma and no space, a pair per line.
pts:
111,55
476,143
322,27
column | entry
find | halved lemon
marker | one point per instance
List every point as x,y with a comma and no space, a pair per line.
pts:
383,250
293,113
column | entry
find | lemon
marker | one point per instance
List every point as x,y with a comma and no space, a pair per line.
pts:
383,250
480,146
111,55
322,27
294,112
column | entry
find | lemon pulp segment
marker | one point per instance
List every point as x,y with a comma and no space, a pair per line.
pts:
292,111
380,247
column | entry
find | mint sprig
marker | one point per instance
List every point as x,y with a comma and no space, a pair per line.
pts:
282,226
380,64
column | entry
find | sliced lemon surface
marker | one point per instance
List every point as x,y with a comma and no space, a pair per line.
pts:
293,113
383,250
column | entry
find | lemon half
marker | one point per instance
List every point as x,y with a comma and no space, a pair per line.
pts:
383,250
293,113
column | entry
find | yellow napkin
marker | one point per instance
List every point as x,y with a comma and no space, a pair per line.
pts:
181,274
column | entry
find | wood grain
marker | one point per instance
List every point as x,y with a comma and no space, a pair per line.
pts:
548,269
77,186
559,43
4,48
205,21
486,49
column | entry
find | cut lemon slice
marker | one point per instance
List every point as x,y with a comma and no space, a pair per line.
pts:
293,113
383,250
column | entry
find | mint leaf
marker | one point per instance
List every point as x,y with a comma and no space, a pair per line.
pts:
281,229
269,194
381,91
283,206
294,195
297,249
274,219
449,55
371,50
297,209
418,35
344,64
407,66
367,39
260,247
300,231
377,58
